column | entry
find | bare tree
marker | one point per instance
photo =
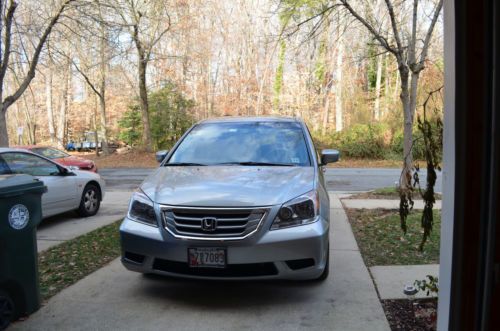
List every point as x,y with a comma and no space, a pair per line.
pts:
339,113
410,64
147,22
96,32
49,101
6,48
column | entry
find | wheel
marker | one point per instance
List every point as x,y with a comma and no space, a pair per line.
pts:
6,310
90,201
325,273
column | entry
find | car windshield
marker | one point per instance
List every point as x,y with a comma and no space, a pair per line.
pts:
244,143
50,153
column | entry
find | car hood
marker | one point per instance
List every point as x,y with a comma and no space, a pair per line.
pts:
227,186
74,161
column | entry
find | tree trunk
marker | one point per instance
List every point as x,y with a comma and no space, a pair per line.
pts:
326,110
102,96
143,96
405,181
102,117
61,126
339,123
4,137
396,85
96,134
413,94
49,105
387,83
278,79
376,108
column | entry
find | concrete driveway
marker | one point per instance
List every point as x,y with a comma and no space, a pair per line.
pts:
56,229
114,298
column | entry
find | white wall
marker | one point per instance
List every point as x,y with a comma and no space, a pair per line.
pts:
445,256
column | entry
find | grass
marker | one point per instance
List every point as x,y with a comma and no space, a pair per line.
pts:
387,193
382,242
366,163
67,263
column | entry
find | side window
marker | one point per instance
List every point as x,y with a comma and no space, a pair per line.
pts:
24,163
4,168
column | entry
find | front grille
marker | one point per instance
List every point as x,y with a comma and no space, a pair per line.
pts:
231,270
229,223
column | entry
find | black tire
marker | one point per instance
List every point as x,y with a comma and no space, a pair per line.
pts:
90,201
326,272
7,310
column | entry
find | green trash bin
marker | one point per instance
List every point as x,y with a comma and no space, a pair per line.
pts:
20,214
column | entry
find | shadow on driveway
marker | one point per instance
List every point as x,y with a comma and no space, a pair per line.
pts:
226,294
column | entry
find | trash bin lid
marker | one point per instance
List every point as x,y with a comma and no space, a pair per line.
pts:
19,184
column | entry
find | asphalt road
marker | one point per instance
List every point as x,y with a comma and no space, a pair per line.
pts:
337,179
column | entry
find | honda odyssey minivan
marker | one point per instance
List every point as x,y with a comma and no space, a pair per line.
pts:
235,198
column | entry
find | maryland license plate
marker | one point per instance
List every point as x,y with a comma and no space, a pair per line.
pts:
207,257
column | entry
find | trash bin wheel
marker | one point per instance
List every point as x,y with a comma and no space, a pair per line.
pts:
6,310
90,201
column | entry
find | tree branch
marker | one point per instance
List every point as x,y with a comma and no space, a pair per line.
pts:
395,30
87,79
8,35
413,42
381,39
34,61
425,48
158,38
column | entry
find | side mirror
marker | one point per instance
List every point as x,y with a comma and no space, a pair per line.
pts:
160,155
63,171
329,156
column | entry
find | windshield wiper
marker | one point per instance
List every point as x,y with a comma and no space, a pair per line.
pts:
183,164
252,163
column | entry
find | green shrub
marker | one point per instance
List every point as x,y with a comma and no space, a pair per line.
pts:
362,141
370,141
131,126
168,115
418,144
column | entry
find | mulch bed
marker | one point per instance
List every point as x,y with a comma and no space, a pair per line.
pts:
419,315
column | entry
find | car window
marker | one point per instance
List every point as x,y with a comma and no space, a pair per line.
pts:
236,142
50,153
4,168
24,163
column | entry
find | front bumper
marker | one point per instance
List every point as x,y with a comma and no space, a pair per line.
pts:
294,253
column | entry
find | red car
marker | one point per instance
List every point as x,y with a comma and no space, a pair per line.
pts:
62,158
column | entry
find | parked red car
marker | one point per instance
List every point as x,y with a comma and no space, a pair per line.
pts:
62,158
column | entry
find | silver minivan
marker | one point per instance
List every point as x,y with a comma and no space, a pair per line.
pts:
235,198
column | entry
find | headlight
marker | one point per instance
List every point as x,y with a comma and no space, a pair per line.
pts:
73,167
299,211
141,209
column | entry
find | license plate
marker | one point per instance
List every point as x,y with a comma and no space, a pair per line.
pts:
204,257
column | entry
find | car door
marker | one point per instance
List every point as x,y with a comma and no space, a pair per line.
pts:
61,189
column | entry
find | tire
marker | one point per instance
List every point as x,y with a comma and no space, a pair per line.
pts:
7,310
326,272
90,201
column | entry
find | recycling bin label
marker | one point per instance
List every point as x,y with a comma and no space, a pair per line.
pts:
19,216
